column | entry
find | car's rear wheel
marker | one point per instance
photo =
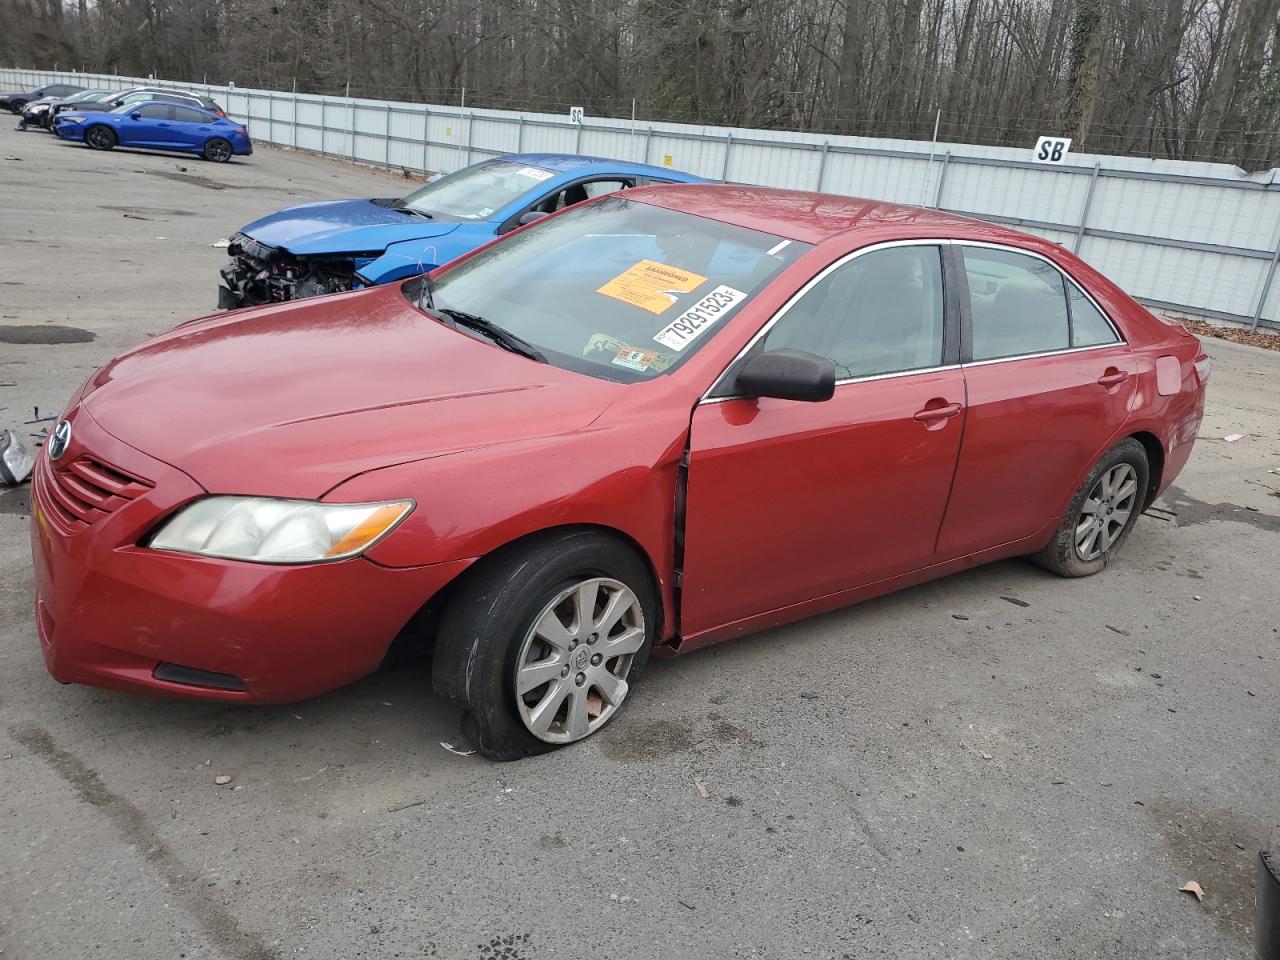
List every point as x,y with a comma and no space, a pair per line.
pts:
217,150
544,642
100,137
1101,514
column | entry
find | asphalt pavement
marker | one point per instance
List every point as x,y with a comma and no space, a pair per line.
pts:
936,774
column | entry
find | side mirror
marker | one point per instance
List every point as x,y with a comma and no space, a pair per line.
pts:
135,116
531,216
787,375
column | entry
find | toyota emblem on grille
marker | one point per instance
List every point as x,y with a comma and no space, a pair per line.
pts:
59,439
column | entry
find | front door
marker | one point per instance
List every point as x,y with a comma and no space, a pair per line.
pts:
789,501
1048,381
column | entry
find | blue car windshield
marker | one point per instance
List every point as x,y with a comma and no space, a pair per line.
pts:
614,288
476,192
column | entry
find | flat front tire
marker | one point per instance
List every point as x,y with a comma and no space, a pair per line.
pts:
1101,514
544,642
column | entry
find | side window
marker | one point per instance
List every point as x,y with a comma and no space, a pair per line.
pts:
1089,328
156,111
879,313
598,188
187,115
1018,304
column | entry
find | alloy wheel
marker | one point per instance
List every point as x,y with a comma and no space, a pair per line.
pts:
219,151
571,672
100,138
1106,511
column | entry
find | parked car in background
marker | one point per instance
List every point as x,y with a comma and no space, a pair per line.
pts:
335,245
154,94
656,420
37,112
61,105
158,126
14,101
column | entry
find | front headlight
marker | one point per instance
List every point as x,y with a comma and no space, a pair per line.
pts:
265,530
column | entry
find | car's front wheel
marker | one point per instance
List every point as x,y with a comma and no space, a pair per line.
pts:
217,150
100,137
543,643
1101,513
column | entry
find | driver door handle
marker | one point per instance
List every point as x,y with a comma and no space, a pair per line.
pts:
1113,377
940,412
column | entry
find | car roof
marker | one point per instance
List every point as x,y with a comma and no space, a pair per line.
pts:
807,216
573,164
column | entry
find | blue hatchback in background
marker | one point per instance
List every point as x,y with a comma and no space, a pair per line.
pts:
158,126
336,245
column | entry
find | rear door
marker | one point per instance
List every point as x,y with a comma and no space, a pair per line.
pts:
191,127
790,501
1048,380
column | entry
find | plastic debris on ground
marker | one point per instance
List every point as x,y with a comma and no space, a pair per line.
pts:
16,460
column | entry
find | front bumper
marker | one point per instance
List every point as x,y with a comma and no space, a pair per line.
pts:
111,614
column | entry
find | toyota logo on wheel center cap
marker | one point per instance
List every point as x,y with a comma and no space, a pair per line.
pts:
581,658
60,439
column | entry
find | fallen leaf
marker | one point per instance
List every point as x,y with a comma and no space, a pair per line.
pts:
222,779
1192,887
702,789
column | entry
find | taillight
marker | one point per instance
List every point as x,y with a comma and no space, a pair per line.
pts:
1202,365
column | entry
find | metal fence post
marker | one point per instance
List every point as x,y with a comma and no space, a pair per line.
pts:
1266,289
728,148
520,135
353,129
293,120
324,126
386,139
471,122
271,117
1084,210
822,164
647,137
577,140
426,135
942,180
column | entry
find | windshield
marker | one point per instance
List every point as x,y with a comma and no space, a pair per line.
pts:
476,192
615,288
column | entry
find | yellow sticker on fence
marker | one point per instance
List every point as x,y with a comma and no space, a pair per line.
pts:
651,285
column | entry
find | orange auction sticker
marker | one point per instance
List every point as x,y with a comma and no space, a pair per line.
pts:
651,285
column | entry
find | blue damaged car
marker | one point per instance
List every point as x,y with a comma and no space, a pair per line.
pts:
331,246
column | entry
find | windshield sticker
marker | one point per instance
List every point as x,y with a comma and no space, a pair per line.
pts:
697,320
635,358
651,286
606,349
485,211
535,173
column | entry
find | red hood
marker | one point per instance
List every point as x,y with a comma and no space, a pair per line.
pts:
294,399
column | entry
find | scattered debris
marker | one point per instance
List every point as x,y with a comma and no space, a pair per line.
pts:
452,749
808,695
406,806
134,216
221,244
222,779
1123,633
1057,783
1196,596
687,906
1016,602
1233,437
19,159
702,790
1239,845
161,238
1255,338
1193,888
16,460
1155,675
986,756
958,616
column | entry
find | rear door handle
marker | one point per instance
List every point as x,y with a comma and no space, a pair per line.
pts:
941,412
1113,377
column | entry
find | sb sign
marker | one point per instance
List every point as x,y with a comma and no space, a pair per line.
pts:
1051,149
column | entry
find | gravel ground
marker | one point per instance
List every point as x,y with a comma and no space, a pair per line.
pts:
938,773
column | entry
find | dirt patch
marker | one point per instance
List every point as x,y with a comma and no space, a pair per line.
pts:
149,211
1191,511
44,334
16,501
1217,849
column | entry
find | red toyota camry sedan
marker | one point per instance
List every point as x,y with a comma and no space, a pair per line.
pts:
651,422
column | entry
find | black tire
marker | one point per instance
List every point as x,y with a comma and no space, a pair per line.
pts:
100,138
493,610
17,106
217,150
1062,555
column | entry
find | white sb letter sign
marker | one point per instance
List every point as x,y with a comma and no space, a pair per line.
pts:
1051,149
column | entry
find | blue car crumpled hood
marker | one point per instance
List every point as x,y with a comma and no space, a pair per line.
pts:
343,226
